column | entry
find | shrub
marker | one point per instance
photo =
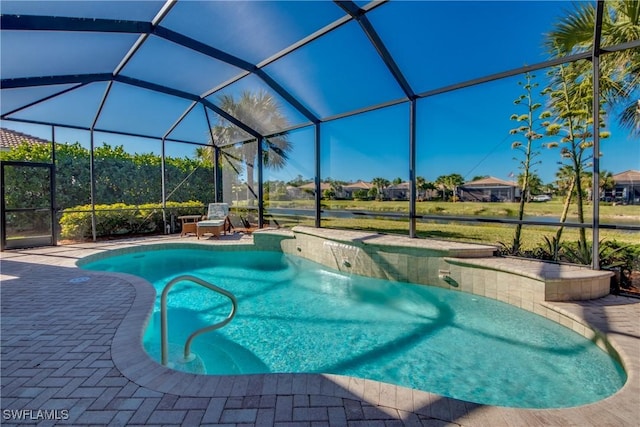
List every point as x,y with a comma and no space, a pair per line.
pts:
361,195
612,256
121,219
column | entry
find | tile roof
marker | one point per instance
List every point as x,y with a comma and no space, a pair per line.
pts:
11,138
627,176
360,185
490,181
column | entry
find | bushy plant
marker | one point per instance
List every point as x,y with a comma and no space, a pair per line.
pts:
612,256
361,195
121,219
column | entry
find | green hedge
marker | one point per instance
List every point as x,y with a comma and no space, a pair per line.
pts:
120,219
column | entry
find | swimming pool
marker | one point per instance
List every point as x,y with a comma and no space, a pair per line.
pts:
297,316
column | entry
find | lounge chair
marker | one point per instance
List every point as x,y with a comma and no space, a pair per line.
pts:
217,220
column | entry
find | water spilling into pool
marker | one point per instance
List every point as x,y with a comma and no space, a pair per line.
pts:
297,316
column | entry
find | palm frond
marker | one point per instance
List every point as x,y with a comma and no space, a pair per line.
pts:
574,33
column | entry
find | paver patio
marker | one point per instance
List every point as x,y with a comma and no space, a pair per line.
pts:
71,346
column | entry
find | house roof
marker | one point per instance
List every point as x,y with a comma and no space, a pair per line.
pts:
359,185
312,186
627,177
490,181
401,186
11,139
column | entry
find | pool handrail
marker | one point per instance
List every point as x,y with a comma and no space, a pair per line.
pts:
164,332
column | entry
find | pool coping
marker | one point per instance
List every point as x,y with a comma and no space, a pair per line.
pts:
133,362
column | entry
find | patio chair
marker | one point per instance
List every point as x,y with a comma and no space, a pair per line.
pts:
217,220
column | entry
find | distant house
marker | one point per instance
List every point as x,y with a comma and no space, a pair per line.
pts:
297,193
10,139
626,189
350,189
489,189
398,191
310,188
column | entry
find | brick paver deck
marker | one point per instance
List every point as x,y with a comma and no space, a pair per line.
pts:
71,349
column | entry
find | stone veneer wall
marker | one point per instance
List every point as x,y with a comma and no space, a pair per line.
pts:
462,267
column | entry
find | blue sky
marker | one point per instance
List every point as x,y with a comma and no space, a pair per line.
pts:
435,44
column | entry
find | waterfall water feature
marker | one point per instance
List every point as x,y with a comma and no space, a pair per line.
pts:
345,256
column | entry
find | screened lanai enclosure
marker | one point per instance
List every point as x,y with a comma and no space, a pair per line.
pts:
456,120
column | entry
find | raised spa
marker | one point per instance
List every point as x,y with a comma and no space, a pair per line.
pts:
298,316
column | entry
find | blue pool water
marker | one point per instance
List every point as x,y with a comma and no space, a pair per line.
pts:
297,316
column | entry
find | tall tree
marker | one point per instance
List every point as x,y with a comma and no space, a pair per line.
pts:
380,184
571,104
620,24
449,183
605,182
535,184
261,112
530,129
422,185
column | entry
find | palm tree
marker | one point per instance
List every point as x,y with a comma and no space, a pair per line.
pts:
380,184
449,183
423,185
621,70
605,182
534,185
261,112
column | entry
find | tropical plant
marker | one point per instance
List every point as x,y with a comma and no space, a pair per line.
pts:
336,187
372,193
531,128
361,194
422,186
380,184
621,69
571,97
329,194
259,111
535,185
612,256
605,182
449,183
549,249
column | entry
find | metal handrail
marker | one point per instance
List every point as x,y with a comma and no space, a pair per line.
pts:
164,333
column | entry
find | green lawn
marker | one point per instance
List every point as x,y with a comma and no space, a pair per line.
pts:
613,214
470,232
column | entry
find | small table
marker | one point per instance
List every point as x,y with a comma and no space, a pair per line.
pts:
189,223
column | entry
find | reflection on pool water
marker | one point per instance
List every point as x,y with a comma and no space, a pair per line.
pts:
297,316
